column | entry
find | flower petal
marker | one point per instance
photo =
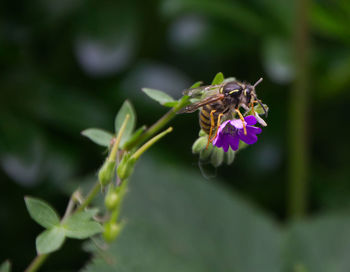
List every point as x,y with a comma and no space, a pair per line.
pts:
234,142
253,130
250,138
250,120
237,123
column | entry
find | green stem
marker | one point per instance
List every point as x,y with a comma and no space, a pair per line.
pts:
147,145
93,192
158,125
40,259
112,156
36,263
298,151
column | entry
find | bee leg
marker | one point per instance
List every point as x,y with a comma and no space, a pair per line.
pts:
252,106
212,124
217,127
242,119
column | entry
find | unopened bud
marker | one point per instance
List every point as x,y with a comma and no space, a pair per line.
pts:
199,144
106,172
126,167
111,231
111,200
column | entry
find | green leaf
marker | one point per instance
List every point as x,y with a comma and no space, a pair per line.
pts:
5,266
42,212
196,84
229,79
126,108
160,96
218,79
50,240
80,225
201,226
319,245
98,136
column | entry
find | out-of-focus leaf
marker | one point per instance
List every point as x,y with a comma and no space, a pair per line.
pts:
237,13
42,212
218,79
160,96
319,245
126,108
80,225
5,266
178,221
98,136
50,240
330,22
278,60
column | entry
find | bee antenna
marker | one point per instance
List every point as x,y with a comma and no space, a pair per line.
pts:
259,81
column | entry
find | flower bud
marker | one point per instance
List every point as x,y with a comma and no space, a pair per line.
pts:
126,167
111,231
206,152
199,145
106,172
111,200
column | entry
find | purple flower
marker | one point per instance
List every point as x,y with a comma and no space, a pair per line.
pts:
231,131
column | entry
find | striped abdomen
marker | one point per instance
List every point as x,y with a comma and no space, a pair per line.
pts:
204,115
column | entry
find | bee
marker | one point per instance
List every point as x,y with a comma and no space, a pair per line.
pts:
223,100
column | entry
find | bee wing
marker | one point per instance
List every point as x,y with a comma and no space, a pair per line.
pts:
208,100
195,92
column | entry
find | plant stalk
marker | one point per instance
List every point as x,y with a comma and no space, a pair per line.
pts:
298,149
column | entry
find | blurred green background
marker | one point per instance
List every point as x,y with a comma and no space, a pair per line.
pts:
69,65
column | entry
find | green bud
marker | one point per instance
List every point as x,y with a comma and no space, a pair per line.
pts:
106,172
202,133
205,153
217,157
126,167
111,200
229,156
199,144
111,231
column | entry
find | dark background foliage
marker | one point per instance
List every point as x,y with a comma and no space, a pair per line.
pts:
69,65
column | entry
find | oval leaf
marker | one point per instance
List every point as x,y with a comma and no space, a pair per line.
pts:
196,84
98,136
80,225
218,79
50,240
160,96
126,108
41,212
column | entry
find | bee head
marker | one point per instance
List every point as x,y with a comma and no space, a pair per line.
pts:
232,89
